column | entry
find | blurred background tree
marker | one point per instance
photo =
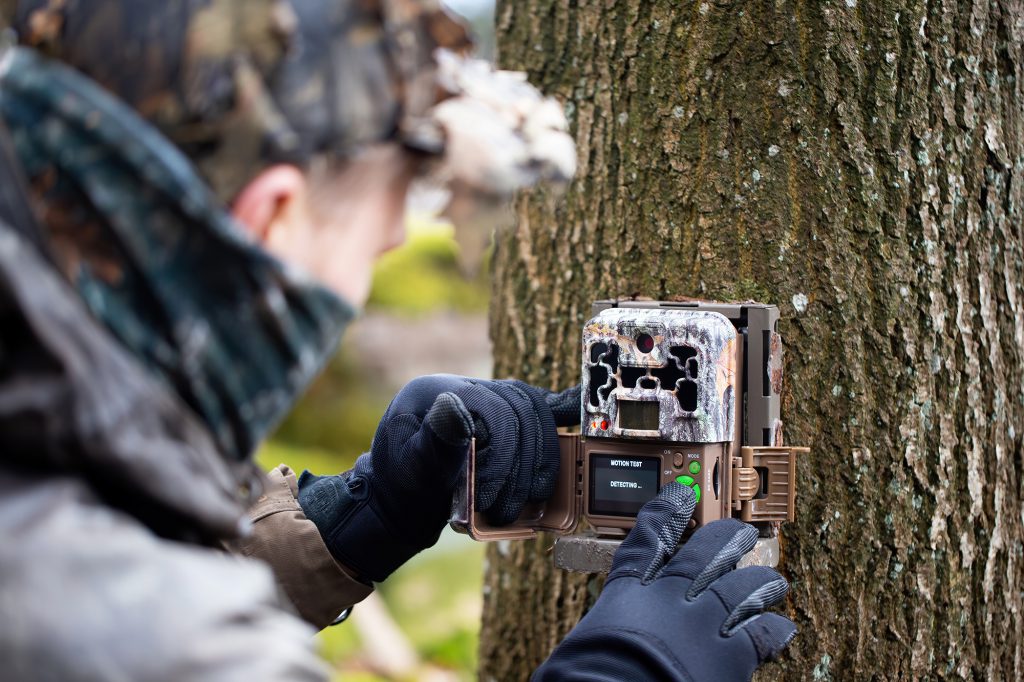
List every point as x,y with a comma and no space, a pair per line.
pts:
859,164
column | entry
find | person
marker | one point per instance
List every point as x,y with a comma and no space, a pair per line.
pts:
192,195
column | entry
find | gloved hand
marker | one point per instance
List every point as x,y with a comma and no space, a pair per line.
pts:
396,500
686,615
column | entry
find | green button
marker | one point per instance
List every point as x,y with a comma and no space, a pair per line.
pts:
694,467
689,482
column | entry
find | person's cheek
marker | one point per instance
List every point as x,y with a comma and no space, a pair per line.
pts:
360,291
396,235
394,232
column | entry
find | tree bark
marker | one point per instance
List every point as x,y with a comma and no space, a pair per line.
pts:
860,165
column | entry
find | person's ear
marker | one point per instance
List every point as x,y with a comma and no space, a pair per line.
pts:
270,206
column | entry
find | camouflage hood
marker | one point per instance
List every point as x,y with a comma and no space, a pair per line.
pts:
241,84
213,319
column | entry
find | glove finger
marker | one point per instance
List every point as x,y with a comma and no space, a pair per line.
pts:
544,476
437,451
450,420
711,553
513,497
487,488
406,416
418,396
659,525
393,433
770,633
498,462
431,459
412,472
565,406
747,592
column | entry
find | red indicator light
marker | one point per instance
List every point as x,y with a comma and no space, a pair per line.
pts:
644,343
604,424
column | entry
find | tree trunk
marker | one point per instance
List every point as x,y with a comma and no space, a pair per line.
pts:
860,165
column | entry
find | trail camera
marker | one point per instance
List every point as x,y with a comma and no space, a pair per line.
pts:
685,392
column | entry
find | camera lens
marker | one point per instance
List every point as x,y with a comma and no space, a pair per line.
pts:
644,343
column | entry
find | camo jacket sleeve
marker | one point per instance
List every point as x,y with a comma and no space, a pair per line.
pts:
318,586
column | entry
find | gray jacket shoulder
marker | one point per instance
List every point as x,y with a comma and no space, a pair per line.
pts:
89,593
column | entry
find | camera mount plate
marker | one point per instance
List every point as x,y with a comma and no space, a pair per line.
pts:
588,553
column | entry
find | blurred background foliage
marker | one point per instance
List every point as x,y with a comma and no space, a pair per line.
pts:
424,316
418,278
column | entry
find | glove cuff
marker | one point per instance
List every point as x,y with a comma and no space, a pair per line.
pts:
342,509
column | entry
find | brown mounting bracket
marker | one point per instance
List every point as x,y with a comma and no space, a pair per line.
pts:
764,483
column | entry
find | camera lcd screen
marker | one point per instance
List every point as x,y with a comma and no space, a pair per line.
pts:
620,484
638,414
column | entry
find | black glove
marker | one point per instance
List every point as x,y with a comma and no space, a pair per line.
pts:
686,615
396,500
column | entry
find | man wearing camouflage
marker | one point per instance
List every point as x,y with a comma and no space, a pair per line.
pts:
192,193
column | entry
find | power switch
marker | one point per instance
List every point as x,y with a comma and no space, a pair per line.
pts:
677,460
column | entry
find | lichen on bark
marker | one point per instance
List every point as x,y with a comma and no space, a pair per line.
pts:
859,164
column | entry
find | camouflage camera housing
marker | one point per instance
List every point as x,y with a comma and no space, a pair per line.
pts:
671,391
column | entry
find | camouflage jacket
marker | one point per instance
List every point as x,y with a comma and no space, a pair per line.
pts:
136,376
